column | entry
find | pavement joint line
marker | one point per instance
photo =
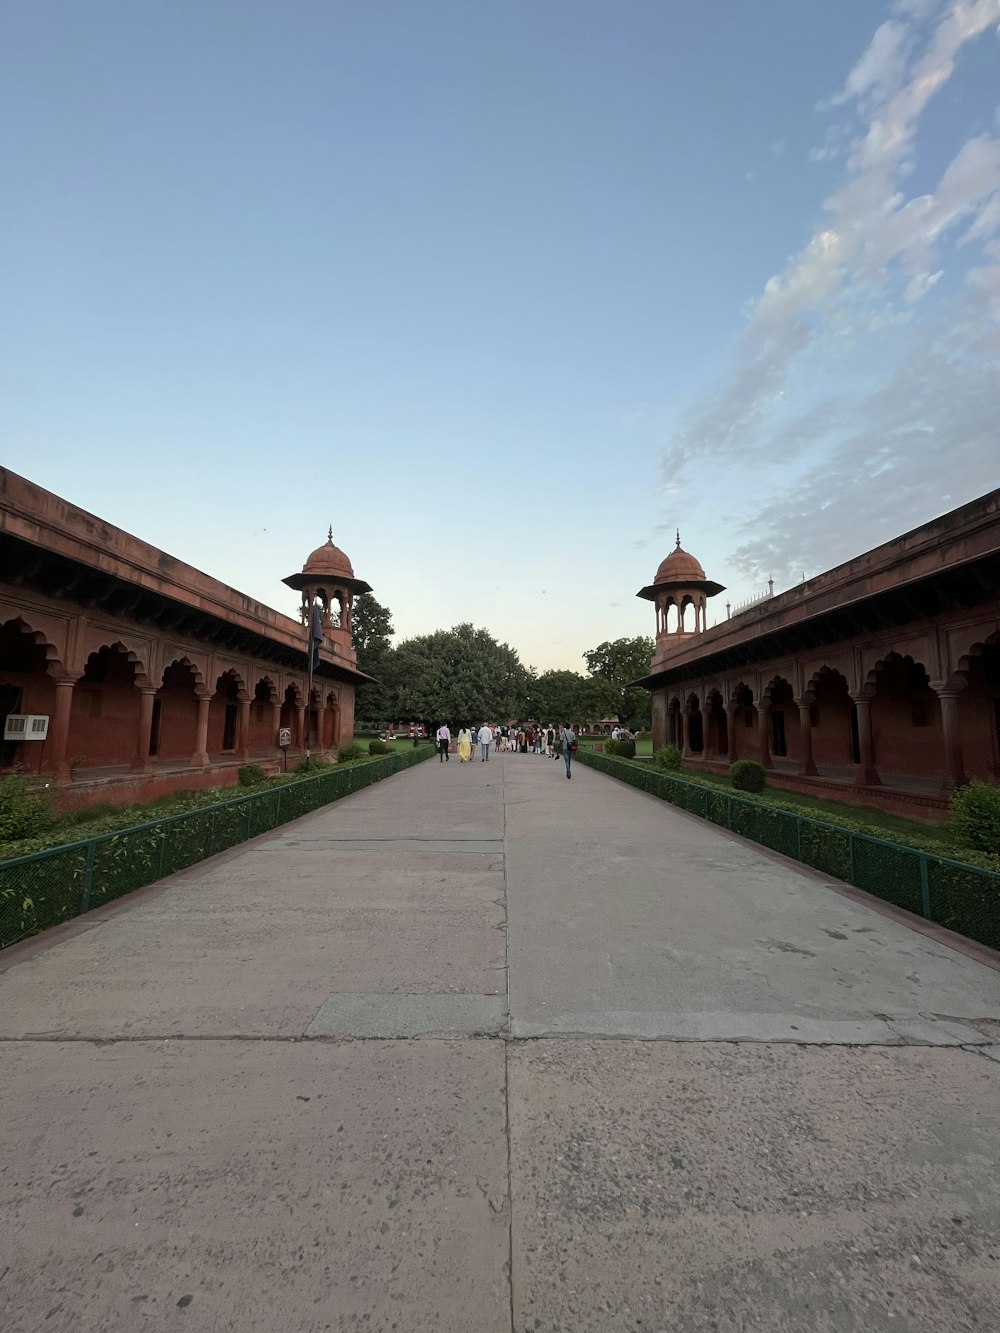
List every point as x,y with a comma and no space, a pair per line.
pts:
505,1035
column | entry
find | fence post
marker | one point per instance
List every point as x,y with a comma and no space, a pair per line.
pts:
704,793
850,857
250,801
925,886
88,876
211,833
163,849
729,812
277,811
798,837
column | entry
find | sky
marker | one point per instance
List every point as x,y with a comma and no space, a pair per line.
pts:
505,292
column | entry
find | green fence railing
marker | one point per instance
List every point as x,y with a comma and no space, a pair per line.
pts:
964,898
42,889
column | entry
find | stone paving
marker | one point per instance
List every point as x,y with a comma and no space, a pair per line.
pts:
482,1049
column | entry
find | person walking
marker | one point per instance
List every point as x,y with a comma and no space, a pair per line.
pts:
550,742
465,745
567,738
485,737
443,740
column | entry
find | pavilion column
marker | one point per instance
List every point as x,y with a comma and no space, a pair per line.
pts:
60,729
303,736
807,767
867,773
764,732
954,766
243,740
732,713
200,757
684,734
275,722
142,762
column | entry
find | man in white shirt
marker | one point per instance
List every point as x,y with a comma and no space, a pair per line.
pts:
485,739
443,740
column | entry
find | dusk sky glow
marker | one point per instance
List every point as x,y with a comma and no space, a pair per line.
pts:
505,293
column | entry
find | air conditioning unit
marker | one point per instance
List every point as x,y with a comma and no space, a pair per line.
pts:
25,727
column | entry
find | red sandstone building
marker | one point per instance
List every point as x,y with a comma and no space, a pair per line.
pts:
153,676
877,682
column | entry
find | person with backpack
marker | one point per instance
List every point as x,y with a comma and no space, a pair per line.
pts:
568,742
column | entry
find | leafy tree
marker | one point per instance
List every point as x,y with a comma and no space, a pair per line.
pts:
459,675
620,661
566,696
372,633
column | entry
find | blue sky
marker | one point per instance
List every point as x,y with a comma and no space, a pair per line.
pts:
503,291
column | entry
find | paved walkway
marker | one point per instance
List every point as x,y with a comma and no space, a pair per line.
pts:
279,1092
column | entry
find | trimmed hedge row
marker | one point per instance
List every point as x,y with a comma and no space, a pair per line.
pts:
45,888
962,897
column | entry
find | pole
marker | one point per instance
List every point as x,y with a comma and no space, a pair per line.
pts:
309,630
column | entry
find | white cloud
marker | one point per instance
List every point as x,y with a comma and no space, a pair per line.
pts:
850,296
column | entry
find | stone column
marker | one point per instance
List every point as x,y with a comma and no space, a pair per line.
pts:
142,762
243,737
60,730
682,739
275,722
867,775
303,736
806,765
732,713
954,766
200,757
764,732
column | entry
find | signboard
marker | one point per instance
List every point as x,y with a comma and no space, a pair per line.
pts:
25,727
284,738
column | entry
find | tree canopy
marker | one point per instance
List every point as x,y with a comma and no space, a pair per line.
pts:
620,661
458,675
372,633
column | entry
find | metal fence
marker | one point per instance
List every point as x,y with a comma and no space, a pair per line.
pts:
42,889
962,897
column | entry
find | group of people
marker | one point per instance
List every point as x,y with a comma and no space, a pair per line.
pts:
550,741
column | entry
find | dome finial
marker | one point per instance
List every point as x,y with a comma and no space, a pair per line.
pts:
678,546
329,533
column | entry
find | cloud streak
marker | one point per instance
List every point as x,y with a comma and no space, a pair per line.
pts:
855,294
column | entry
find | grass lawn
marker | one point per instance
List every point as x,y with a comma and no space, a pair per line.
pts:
895,827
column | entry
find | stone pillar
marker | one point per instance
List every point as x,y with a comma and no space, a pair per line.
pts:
142,762
275,722
658,707
764,732
243,738
682,739
954,766
303,736
867,775
60,730
806,765
732,713
200,757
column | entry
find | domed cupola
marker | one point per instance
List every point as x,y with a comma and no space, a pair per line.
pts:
680,583
327,579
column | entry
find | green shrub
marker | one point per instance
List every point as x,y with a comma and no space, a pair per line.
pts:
668,757
975,817
378,747
249,775
625,749
349,754
24,811
748,775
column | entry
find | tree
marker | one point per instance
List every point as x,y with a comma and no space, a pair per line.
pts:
620,661
459,675
372,633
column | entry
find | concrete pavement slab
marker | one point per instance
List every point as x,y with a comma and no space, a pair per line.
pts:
729,1188
619,904
257,1186
381,1015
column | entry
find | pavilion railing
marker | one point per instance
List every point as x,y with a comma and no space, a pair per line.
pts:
964,898
45,888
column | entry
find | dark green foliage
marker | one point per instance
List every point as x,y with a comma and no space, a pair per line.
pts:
624,749
349,754
371,633
24,811
455,674
619,662
249,775
379,747
668,757
748,775
975,817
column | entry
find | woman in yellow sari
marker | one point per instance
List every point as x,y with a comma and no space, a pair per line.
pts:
465,744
